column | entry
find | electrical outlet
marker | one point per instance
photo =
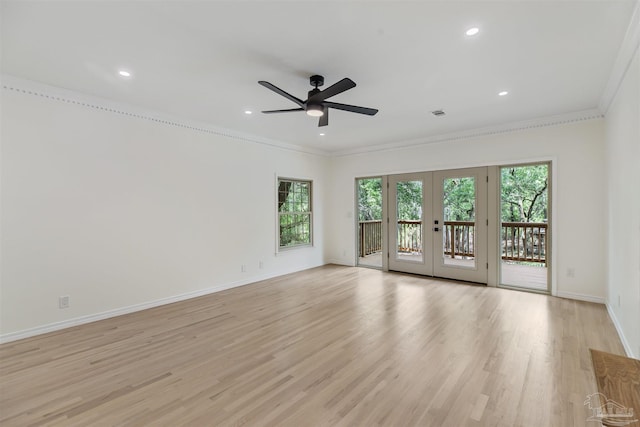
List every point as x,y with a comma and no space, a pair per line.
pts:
618,300
243,268
571,272
63,301
261,265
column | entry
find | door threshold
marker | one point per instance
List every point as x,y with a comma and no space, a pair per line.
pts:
525,289
446,279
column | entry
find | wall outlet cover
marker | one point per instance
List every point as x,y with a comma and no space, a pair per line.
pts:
63,301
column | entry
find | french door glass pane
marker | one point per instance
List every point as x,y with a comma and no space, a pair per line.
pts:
409,206
459,213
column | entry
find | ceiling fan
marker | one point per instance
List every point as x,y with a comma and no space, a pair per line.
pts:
316,104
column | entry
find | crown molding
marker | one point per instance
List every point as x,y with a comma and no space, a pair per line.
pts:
627,50
554,120
57,94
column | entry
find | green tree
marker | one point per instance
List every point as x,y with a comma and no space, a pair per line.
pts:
409,200
524,193
459,199
370,199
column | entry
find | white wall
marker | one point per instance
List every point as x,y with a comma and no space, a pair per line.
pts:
577,152
119,212
623,220
122,212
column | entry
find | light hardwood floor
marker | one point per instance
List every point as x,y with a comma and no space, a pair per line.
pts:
328,346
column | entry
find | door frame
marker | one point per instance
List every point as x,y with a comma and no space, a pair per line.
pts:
356,216
478,273
425,267
551,283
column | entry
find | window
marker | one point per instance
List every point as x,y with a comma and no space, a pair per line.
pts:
294,212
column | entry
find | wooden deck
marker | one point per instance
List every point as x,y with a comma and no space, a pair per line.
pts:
373,260
522,276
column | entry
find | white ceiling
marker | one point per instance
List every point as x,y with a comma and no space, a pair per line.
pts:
201,60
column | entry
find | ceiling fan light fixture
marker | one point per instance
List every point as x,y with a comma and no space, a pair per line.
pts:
315,110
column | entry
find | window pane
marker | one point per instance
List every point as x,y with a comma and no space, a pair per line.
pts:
459,228
459,199
294,207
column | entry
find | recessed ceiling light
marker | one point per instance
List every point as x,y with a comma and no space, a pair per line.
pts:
473,31
322,134
503,93
247,112
124,73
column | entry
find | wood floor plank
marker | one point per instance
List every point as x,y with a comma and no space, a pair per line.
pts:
328,346
618,381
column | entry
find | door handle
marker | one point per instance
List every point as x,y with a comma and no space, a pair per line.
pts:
436,229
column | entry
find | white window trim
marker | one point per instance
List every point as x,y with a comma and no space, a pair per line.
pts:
279,248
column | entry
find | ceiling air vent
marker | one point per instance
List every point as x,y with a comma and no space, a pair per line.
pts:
438,113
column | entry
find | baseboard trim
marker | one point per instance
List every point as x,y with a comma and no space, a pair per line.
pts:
623,339
56,326
581,297
341,262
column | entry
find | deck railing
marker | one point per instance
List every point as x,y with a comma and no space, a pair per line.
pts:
520,241
409,235
524,241
370,237
461,236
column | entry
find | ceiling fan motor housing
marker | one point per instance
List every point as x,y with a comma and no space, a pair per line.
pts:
314,108
316,81
313,92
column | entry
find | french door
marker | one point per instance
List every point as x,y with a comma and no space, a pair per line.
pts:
410,214
438,224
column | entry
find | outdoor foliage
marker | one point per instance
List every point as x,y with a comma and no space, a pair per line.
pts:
370,199
459,199
524,197
409,194
524,193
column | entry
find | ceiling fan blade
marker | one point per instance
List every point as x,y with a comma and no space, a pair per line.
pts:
281,92
283,111
351,108
334,89
324,119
